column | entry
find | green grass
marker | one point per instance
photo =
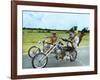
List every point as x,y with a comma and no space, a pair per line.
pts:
85,41
31,37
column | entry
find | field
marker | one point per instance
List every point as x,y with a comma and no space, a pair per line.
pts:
31,37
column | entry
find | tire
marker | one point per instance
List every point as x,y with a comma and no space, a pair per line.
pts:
36,63
32,52
73,55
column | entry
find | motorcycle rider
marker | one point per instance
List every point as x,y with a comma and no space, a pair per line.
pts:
74,39
50,41
72,42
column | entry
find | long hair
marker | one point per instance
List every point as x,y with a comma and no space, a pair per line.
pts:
80,37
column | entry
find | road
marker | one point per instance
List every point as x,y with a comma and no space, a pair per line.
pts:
82,60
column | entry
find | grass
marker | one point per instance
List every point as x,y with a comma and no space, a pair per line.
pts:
85,41
31,37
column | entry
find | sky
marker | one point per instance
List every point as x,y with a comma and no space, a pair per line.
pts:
52,20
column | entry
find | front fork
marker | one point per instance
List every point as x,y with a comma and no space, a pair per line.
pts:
47,53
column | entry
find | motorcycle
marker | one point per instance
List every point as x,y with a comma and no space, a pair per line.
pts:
40,57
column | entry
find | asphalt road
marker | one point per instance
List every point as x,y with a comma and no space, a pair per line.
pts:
82,60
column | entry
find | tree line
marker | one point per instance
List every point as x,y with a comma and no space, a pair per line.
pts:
74,28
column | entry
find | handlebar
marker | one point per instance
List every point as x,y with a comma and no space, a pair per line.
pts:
58,40
66,40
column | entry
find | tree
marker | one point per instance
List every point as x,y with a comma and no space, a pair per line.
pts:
74,28
48,30
84,30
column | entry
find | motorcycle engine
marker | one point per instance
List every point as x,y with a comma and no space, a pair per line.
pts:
58,51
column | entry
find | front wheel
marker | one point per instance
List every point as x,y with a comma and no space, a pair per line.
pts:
39,60
73,55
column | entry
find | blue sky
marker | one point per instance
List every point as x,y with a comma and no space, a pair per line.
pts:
53,20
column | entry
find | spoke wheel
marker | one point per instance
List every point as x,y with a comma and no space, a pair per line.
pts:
33,51
39,61
73,55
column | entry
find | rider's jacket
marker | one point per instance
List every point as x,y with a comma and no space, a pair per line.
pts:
74,41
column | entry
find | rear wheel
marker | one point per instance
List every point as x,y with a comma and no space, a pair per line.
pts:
73,55
33,51
39,60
